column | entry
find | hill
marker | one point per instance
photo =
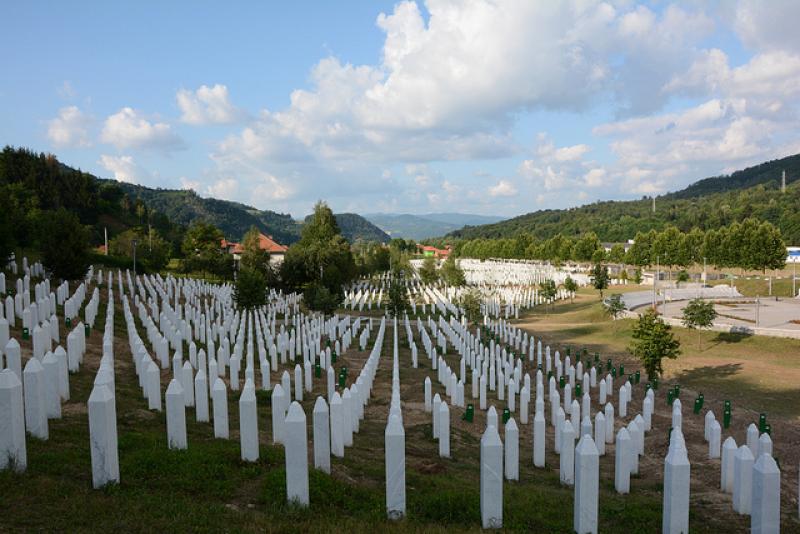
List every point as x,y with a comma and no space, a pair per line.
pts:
234,218
707,204
423,226
355,227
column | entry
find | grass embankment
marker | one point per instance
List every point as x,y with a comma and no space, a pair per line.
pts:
758,371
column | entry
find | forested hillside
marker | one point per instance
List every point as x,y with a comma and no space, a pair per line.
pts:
708,204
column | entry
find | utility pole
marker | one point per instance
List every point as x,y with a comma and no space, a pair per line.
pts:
654,203
758,310
105,238
783,182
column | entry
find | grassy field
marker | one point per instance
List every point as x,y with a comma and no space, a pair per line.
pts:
208,487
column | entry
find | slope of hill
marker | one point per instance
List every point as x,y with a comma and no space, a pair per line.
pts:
709,203
408,226
234,218
355,227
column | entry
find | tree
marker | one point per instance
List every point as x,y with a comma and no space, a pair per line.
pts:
683,276
652,342
637,276
64,243
202,246
547,290
699,314
250,288
427,271
151,250
586,247
617,253
571,286
614,305
451,273
599,276
470,302
321,263
397,297
253,256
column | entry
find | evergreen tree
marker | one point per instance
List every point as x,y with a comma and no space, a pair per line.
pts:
571,286
250,288
64,244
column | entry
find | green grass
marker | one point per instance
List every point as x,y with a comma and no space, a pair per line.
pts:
208,488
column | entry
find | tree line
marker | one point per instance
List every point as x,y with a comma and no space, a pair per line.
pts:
750,245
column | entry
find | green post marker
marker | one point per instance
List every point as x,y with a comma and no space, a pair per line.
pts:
614,372
317,370
87,329
569,350
506,415
696,408
333,356
655,383
702,400
549,375
647,387
470,413
670,397
578,393
608,364
638,376
597,357
726,418
25,333
632,378
677,391
727,404
342,378
762,422
561,382
68,322
768,429
621,370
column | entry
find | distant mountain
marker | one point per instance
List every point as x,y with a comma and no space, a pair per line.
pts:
417,227
706,204
461,219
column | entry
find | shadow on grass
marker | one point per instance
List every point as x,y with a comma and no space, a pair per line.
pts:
730,337
731,381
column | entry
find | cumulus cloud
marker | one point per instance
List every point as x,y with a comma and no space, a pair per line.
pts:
124,168
224,188
70,128
503,188
129,129
207,105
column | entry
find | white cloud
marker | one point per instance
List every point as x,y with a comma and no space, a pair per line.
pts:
124,168
70,128
503,188
595,177
768,26
128,129
224,188
207,105
186,183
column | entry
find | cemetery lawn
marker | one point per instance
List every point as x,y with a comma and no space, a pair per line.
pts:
756,373
208,487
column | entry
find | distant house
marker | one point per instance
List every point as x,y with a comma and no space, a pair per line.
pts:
265,242
427,250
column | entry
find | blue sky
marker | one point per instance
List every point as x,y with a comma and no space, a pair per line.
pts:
497,107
